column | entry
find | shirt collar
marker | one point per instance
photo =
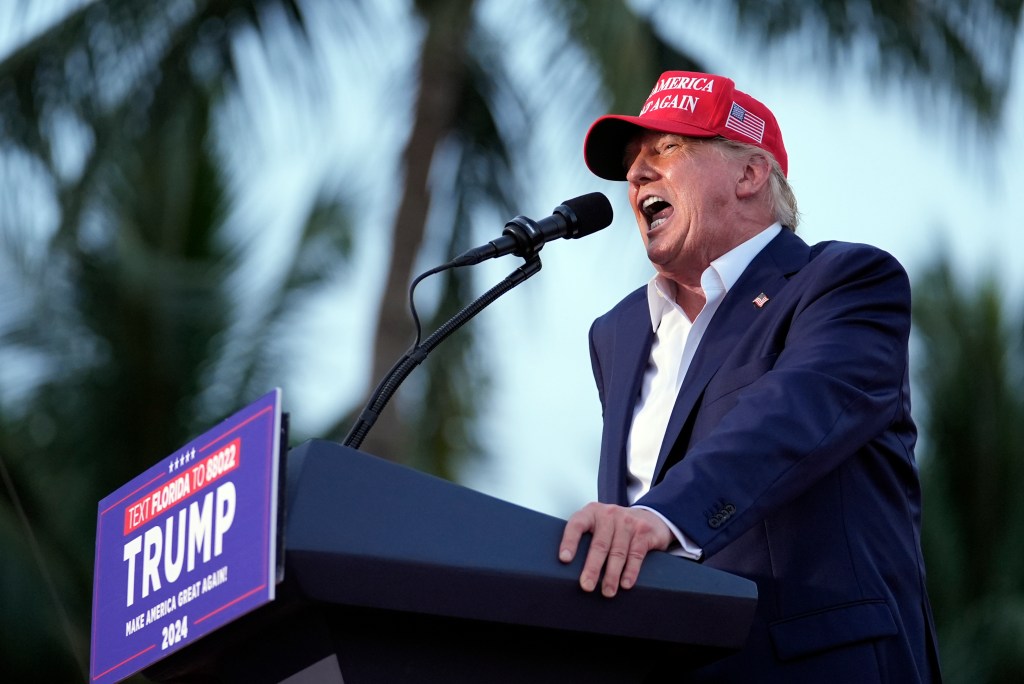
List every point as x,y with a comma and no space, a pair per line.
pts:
728,268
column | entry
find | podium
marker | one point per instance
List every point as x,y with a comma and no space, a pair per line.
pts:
392,575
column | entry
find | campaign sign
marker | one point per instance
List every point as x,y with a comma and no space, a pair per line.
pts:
189,545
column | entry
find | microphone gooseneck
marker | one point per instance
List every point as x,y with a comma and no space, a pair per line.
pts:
523,237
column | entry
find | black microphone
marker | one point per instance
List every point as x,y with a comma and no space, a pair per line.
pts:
573,218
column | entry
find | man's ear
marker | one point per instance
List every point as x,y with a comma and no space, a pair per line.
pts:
755,176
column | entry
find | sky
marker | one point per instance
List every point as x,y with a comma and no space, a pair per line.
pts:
882,166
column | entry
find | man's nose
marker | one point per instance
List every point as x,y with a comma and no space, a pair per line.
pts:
641,170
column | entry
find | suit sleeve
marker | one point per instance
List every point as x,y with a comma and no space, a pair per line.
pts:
815,388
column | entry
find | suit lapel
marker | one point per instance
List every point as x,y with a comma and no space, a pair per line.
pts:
767,274
632,346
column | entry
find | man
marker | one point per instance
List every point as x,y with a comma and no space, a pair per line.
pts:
756,401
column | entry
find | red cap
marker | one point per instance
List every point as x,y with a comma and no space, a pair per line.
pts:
686,103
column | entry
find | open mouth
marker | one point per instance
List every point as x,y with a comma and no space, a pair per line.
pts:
656,209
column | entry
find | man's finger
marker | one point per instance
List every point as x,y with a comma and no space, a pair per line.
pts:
580,523
616,560
634,559
600,545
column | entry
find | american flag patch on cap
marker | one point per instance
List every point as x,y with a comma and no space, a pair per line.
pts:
742,121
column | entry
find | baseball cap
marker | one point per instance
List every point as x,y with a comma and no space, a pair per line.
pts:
686,103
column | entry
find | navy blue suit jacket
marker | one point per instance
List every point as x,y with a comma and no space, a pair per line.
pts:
789,460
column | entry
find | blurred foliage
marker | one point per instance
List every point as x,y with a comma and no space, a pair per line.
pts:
120,335
951,54
970,373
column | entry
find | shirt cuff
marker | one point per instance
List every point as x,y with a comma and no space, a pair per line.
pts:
686,548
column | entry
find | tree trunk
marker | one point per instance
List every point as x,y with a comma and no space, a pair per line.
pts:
443,72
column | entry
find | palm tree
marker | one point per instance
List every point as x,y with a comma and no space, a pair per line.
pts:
469,120
122,327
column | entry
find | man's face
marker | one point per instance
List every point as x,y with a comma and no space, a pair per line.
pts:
683,193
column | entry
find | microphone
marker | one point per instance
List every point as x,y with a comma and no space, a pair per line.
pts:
573,218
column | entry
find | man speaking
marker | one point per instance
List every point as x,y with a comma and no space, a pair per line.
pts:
756,401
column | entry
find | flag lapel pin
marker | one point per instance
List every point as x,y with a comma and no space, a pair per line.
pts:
760,300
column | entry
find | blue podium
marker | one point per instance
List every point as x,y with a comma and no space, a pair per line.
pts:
392,575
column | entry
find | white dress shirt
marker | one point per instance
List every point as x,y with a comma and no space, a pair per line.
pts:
676,339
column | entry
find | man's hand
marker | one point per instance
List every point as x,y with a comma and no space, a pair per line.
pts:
621,539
